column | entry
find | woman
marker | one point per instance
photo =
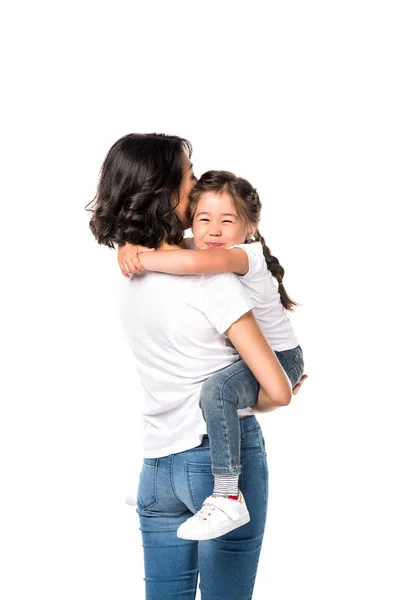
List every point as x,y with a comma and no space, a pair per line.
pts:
175,326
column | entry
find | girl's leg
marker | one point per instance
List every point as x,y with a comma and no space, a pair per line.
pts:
292,363
228,565
221,395
226,391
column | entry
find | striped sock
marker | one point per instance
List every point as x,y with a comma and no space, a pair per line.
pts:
227,486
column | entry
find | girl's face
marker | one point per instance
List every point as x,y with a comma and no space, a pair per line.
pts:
216,223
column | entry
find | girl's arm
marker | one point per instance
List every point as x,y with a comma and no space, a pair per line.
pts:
253,347
128,258
192,262
129,261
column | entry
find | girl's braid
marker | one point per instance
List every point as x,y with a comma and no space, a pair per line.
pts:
277,271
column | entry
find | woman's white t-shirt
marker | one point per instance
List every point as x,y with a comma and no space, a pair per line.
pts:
174,325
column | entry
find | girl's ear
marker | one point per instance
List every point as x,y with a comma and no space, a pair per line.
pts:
251,232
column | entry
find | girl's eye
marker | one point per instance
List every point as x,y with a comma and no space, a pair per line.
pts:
227,221
203,219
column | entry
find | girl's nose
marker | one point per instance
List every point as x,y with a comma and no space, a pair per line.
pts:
214,230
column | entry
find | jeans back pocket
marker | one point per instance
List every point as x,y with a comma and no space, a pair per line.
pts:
200,481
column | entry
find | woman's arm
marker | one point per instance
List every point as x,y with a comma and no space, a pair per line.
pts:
192,262
253,347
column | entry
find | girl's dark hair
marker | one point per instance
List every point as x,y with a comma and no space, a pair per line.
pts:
140,176
248,206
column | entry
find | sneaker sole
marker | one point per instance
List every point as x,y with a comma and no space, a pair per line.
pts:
226,529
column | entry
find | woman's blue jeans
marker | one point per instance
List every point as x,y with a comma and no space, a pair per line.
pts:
222,394
172,489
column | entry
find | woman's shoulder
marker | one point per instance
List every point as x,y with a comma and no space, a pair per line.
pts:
213,280
220,288
223,299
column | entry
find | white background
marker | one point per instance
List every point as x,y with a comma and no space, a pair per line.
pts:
301,98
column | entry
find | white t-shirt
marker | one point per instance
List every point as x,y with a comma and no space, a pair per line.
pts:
174,325
263,291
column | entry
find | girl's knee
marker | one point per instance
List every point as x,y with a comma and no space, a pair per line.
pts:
217,393
208,396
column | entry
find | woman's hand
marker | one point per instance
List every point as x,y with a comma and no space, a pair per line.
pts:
298,385
128,258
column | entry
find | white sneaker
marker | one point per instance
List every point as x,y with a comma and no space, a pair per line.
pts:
217,516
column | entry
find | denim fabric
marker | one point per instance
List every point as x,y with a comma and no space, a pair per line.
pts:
222,394
292,363
173,488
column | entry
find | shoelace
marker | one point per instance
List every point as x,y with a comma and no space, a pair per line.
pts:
202,512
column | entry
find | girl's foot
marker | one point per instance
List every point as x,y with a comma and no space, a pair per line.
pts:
217,516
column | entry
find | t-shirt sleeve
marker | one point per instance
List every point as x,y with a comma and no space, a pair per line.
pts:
223,300
256,259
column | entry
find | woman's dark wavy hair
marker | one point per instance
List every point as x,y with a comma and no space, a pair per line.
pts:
248,205
138,191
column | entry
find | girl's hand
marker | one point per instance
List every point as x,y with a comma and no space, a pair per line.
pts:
298,385
128,258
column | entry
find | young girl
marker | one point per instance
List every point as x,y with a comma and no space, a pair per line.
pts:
224,213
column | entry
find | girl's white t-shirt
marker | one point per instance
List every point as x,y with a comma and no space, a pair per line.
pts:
175,325
263,291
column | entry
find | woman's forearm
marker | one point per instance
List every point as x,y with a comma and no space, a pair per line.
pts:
264,403
275,387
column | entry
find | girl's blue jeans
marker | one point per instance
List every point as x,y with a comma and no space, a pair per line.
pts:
172,489
222,394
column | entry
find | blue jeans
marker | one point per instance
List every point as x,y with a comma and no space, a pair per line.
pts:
173,488
222,394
